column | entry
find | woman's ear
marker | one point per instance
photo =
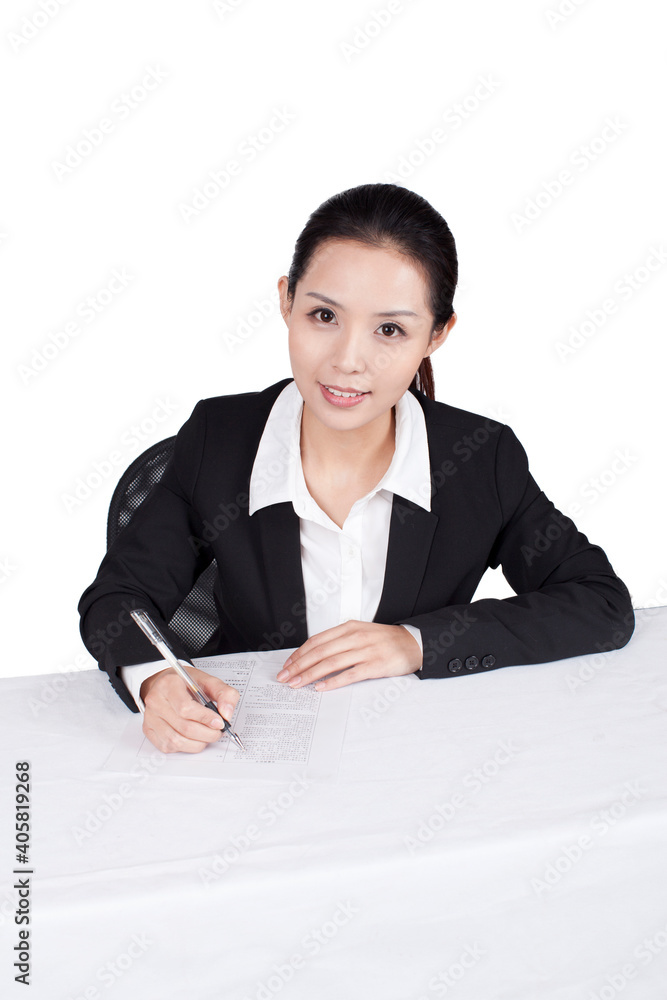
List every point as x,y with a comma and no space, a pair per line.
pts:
282,291
440,337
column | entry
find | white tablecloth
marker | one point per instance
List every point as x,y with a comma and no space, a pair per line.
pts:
490,836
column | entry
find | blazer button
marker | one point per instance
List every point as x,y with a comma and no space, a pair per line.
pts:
472,662
488,661
454,666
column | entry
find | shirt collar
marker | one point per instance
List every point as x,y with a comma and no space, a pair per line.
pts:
277,470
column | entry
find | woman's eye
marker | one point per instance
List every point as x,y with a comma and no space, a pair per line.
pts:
391,327
327,311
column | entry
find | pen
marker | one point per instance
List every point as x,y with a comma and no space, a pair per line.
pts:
152,632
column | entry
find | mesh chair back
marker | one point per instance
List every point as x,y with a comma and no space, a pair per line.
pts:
195,620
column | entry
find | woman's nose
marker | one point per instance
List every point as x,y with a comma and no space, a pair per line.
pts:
348,354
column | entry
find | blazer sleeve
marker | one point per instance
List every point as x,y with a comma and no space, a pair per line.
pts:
153,564
569,600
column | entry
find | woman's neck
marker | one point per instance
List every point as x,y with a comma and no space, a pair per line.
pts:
346,454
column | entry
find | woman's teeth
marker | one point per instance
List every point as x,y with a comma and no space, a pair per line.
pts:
336,392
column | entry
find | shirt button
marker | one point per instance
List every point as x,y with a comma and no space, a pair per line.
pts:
472,662
488,661
454,666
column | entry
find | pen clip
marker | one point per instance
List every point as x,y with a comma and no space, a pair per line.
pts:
149,628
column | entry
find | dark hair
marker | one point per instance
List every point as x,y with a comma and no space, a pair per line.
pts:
392,217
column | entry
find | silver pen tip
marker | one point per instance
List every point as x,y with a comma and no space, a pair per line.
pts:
236,739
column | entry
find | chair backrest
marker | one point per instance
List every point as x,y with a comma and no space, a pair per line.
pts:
195,620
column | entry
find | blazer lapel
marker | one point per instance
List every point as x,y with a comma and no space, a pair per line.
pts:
281,549
411,530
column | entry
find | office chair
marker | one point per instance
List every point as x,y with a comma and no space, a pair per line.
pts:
195,620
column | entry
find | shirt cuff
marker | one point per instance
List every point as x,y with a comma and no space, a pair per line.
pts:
417,635
134,676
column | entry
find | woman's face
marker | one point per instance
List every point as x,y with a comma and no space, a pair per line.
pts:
359,323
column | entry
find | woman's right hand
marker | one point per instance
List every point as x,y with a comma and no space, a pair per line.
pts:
174,720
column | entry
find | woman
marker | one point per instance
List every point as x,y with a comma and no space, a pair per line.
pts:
350,514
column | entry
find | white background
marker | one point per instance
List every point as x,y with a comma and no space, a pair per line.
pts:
364,99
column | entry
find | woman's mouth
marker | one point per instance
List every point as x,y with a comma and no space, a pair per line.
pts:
344,397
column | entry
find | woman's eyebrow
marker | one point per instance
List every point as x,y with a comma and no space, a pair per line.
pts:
392,312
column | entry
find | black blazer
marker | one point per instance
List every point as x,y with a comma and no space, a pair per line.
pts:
486,510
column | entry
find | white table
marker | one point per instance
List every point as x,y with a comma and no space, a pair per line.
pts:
497,835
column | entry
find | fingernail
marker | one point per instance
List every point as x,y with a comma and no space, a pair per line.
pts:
283,675
319,686
295,681
228,710
287,661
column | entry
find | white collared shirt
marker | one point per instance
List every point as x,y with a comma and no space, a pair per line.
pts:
343,568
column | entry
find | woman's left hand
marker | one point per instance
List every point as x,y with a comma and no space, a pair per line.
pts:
360,650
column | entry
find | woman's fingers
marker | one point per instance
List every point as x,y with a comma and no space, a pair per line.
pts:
335,649
175,721
225,697
168,740
353,651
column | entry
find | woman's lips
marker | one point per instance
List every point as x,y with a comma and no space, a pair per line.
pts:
344,401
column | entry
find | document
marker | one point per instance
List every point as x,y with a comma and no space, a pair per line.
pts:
284,730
